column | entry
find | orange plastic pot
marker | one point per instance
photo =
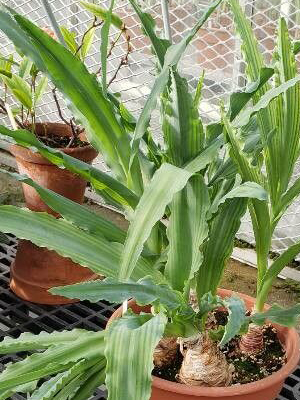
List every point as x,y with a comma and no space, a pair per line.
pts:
265,389
36,270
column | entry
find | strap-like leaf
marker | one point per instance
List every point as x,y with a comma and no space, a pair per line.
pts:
289,121
179,233
172,57
250,190
219,247
79,215
278,315
144,291
129,352
186,231
89,346
28,341
236,318
244,117
95,112
182,127
239,99
166,181
91,383
160,46
90,251
205,156
274,270
100,180
49,388
104,46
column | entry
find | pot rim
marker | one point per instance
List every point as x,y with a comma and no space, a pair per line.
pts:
292,347
85,153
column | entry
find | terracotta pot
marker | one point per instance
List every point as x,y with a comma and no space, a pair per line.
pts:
265,389
36,269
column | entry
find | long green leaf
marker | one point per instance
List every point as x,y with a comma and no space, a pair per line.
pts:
219,247
102,182
205,156
80,216
179,233
104,46
247,189
28,341
267,117
259,210
186,232
89,346
198,205
90,251
244,117
290,120
129,352
274,270
166,181
160,46
278,315
26,388
239,99
53,21
286,200
172,57
95,112
49,388
144,291
72,387
87,388
182,126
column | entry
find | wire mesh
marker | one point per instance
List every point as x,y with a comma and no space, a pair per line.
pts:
216,49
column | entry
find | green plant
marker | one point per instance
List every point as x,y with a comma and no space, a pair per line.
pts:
265,144
24,78
184,202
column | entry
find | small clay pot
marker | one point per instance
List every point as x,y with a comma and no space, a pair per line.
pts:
36,269
264,389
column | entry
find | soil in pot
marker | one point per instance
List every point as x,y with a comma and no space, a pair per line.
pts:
247,368
58,142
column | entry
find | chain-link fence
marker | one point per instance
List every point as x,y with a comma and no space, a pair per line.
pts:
216,49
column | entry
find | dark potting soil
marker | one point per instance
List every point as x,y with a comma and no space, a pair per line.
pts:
58,142
247,368
253,368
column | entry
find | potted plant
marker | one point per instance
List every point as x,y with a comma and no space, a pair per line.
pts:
268,138
184,202
31,276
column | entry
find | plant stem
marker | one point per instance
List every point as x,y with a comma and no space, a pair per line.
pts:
58,107
124,60
94,25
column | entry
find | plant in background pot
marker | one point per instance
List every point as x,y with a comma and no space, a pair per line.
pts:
31,276
184,214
